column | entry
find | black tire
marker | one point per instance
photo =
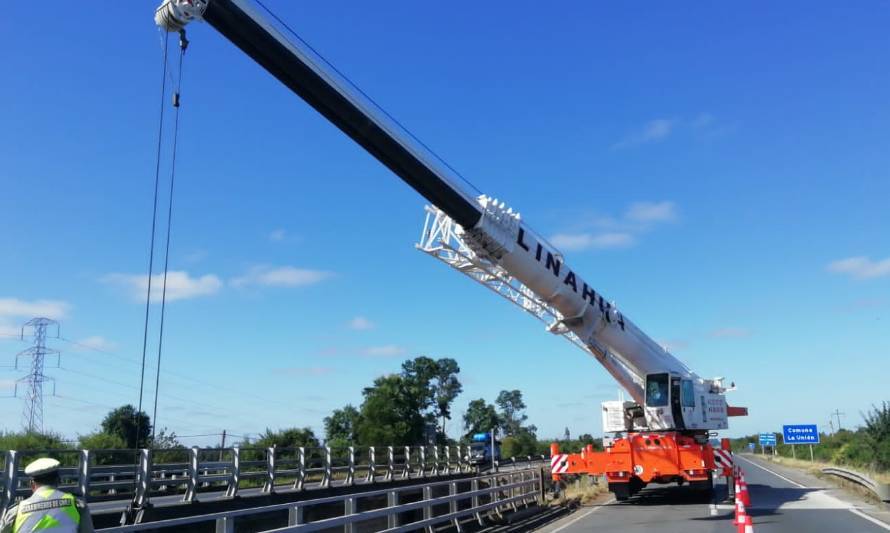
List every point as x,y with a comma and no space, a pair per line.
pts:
620,490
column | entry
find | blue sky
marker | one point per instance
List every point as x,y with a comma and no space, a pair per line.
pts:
723,174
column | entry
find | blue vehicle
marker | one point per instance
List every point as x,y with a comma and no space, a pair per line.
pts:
480,450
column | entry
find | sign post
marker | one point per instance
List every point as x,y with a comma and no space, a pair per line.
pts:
801,434
767,439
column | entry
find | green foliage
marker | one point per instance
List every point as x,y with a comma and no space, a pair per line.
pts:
480,417
392,412
877,432
32,441
511,406
340,429
126,423
287,438
101,441
522,443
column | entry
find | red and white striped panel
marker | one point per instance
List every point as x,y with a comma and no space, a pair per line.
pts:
559,464
725,456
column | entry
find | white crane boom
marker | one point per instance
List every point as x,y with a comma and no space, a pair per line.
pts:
478,235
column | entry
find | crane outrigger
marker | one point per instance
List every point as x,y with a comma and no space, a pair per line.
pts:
662,435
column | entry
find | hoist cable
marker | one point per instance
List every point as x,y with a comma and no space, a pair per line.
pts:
151,252
183,44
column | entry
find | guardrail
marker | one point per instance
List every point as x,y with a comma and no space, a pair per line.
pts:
882,490
494,492
139,474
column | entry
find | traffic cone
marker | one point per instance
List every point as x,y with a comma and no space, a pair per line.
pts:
743,494
739,513
749,524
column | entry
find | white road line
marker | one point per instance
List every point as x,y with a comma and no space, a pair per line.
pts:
585,515
849,507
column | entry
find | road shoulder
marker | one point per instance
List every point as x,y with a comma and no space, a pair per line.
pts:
868,510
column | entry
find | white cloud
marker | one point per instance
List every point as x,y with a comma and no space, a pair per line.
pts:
674,344
585,241
180,285
361,323
286,276
96,343
730,333
653,131
15,308
277,235
652,212
388,350
861,267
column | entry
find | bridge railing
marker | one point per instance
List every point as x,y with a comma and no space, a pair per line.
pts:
393,509
139,474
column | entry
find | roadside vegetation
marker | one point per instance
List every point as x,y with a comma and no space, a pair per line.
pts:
406,408
866,448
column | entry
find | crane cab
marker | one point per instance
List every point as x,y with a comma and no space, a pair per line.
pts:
677,402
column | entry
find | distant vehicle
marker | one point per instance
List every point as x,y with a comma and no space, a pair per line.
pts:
480,450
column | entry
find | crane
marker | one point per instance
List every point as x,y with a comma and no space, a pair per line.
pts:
485,239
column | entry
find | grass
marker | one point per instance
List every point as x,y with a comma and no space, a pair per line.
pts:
815,467
585,489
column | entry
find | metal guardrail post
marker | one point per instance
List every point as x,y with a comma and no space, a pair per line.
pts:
350,474
447,459
392,500
225,524
300,481
474,486
372,467
406,473
269,485
428,509
422,461
143,479
326,479
390,467
11,485
83,474
235,476
191,490
295,516
452,506
436,466
349,509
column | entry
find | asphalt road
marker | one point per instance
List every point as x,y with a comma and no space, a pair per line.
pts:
782,500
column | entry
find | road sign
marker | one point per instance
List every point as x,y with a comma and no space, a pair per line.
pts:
800,434
751,446
767,439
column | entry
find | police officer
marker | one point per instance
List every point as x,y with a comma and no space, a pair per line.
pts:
48,508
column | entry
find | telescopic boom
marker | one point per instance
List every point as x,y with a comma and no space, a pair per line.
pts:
494,235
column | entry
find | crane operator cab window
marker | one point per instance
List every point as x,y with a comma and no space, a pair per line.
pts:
656,390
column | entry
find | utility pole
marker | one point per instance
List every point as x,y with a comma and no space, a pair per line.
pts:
32,414
838,414
831,424
222,445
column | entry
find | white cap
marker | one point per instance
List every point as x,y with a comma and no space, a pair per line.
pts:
42,467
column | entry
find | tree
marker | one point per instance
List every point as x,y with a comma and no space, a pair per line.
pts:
446,388
511,405
523,442
341,427
877,431
392,412
125,422
435,385
287,438
567,435
480,417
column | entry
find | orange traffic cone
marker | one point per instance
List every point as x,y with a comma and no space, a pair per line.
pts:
743,494
739,513
749,524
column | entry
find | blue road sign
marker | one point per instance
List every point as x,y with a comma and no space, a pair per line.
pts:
800,434
751,446
767,439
